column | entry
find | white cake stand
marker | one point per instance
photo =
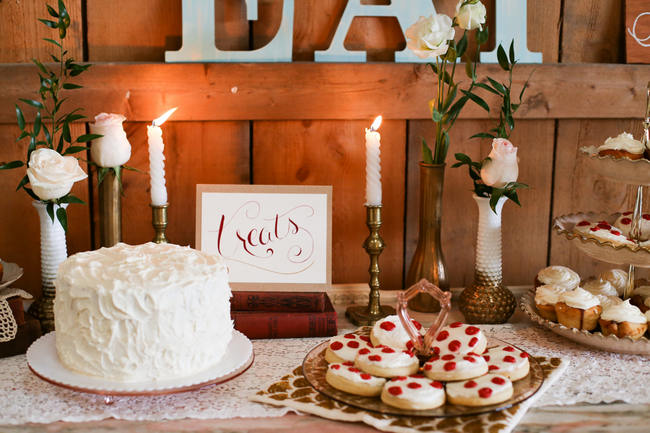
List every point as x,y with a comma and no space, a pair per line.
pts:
44,362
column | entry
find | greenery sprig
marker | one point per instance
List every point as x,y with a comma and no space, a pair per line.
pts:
51,127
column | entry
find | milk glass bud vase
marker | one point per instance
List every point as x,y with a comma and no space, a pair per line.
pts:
487,300
53,253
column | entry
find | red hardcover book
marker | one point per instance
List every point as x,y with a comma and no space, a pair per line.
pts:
287,324
299,302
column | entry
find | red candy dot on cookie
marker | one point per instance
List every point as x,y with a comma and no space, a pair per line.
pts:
615,232
364,351
398,378
470,384
395,390
409,345
427,367
456,325
454,345
509,358
417,324
646,217
409,353
493,367
414,385
365,376
523,355
473,342
375,358
353,344
498,380
449,366
436,351
485,392
353,370
448,357
421,376
387,326
436,384
434,358
337,345
335,366
583,223
604,225
509,349
594,229
442,336
471,330
486,357
364,338
626,221
469,358
387,350
348,363
351,336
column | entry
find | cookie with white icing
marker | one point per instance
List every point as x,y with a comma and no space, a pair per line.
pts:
344,348
481,391
390,332
346,377
459,338
384,361
455,367
508,361
624,223
413,392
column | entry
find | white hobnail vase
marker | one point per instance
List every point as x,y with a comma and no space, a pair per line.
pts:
487,300
53,252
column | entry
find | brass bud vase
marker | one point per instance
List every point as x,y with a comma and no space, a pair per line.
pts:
428,262
487,300
110,210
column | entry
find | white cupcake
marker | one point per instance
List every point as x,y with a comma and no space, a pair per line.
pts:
600,287
618,278
623,320
560,276
546,297
578,309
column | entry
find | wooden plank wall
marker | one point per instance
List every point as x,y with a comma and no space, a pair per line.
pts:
318,151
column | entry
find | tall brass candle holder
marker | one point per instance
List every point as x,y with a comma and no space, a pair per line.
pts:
367,315
159,221
110,210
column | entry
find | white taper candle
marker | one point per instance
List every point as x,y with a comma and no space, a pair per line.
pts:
157,165
373,165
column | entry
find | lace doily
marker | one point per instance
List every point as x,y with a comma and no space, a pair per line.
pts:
8,327
591,377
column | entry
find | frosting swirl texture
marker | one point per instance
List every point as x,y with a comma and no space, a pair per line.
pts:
579,298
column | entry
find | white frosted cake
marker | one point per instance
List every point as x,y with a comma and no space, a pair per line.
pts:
141,313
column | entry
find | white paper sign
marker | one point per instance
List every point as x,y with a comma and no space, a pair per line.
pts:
272,237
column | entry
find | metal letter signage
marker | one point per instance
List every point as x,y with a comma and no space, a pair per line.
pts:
198,36
511,23
406,12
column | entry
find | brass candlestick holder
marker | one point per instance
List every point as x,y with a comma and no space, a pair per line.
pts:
110,210
367,315
159,221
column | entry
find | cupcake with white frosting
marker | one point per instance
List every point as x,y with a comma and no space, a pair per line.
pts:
641,298
578,309
597,286
559,276
622,146
623,320
606,301
618,278
546,297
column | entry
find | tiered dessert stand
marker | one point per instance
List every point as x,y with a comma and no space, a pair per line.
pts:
636,254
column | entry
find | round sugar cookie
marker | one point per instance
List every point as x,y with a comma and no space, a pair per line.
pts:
344,348
481,391
384,361
450,367
459,338
390,332
346,377
508,361
413,392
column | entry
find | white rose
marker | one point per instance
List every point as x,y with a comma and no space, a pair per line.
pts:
429,37
470,15
52,175
502,167
113,149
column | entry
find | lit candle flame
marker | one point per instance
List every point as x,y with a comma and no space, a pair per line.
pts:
376,124
162,119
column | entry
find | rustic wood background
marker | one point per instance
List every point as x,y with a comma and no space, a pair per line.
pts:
286,147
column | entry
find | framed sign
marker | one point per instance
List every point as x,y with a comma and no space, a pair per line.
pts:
273,237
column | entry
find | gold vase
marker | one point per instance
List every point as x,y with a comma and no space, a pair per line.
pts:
428,262
110,210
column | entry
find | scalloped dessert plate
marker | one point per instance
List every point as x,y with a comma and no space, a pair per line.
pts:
610,343
11,273
601,250
630,171
44,362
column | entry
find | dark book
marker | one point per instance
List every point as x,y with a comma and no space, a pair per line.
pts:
258,323
286,302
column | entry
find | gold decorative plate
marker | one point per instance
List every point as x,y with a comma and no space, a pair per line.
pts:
315,367
610,343
598,249
629,171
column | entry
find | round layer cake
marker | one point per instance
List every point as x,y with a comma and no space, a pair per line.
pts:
142,313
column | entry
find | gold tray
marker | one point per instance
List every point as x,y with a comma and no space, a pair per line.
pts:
604,251
315,367
610,343
631,172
